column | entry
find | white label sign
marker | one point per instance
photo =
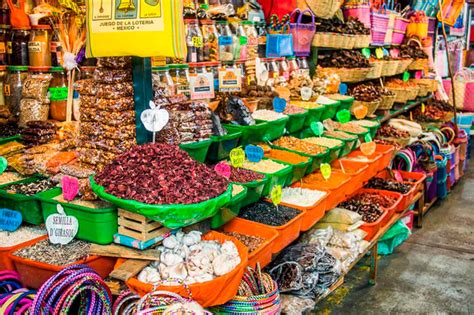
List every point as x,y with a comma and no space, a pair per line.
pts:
61,228
154,119
202,86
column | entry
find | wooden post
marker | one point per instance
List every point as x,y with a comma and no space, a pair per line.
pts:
143,93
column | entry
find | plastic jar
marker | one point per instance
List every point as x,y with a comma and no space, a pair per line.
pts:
213,67
3,45
262,39
194,41
273,68
225,41
293,66
58,93
19,47
252,39
56,51
3,75
87,72
284,69
210,49
240,43
163,84
13,87
304,67
180,75
39,46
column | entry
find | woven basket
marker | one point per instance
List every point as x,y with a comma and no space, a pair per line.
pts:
324,9
418,64
401,95
371,106
387,102
362,41
432,85
350,75
389,68
332,40
376,71
424,88
413,92
403,65
403,142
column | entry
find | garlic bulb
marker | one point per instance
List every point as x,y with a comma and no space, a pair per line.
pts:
192,238
170,242
229,248
225,263
170,259
177,271
149,275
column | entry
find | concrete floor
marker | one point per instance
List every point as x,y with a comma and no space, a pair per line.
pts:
431,273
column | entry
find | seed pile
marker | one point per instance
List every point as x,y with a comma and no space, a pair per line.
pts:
388,184
266,213
264,166
369,212
252,242
376,199
23,234
241,175
30,189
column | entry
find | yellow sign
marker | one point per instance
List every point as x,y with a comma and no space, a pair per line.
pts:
237,157
326,170
276,195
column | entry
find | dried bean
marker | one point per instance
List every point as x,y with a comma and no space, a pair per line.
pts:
388,184
30,189
252,242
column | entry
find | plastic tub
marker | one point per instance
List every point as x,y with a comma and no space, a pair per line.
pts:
314,115
330,109
9,139
34,273
442,189
373,228
372,161
361,135
221,146
250,134
95,225
441,163
281,177
230,210
263,254
358,170
313,213
317,159
431,186
298,171
29,206
5,262
349,144
197,150
345,100
296,122
387,151
275,129
254,191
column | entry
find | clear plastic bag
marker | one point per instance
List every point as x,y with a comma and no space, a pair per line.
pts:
31,109
36,87
318,236
120,104
115,91
99,131
86,87
108,117
339,215
115,62
108,76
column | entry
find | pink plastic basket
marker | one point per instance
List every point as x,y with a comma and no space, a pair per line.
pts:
361,12
302,34
398,37
379,21
378,36
400,24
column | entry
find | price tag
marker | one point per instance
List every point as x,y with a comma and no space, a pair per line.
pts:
406,76
368,148
276,195
423,107
418,74
385,52
197,41
254,153
3,164
70,187
306,93
154,119
202,86
230,80
398,176
237,157
366,52
58,93
360,111
343,89
343,116
243,40
222,168
317,127
326,170
10,220
379,53
394,52
368,138
279,104
61,228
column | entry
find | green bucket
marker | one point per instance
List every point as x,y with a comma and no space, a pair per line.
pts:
299,170
250,134
221,146
230,210
9,139
345,100
197,150
296,122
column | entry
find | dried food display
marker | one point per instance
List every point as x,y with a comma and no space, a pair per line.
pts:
380,200
387,131
389,184
299,145
369,212
39,132
264,166
412,51
252,242
351,26
343,59
30,189
242,175
366,93
266,213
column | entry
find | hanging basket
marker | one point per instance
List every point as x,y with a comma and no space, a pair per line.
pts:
401,95
324,9
376,71
350,74
419,64
387,102
332,40
371,106
390,68
362,41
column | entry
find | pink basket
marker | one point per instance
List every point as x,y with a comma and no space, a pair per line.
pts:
361,12
379,21
302,34
378,36
432,22
398,37
400,24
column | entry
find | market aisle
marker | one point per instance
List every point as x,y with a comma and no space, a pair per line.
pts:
430,273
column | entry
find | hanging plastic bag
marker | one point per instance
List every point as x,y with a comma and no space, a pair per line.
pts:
142,28
393,238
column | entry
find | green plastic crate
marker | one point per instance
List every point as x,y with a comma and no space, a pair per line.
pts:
254,190
349,144
299,170
9,139
250,134
346,103
330,110
317,159
360,136
95,225
221,146
29,206
275,129
197,150
229,211
314,115
296,122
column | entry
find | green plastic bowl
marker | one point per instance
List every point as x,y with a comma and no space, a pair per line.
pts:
314,115
330,110
360,136
254,191
221,146
277,178
95,225
317,159
197,150
275,129
345,100
250,134
230,210
296,122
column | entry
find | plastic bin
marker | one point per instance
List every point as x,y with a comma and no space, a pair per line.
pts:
197,150
387,152
431,186
442,190
298,170
361,135
250,134
296,122
409,219
263,254
372,161
5,262
317,159
314,115
275,129
221,146
345,100
254,191
229,211
349,145
441,164
282,177
29,206
95,225
373,228
390,210
330,109
358,170
34,274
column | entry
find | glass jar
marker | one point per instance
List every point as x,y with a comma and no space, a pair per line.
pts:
293,66
4,16
304,67
197,67
210,40
86,72
3,45
194,41
284,69
240,43
213,67
56,51
19,47
240,64
39,46
189,9
225,41
13,87
58,93
3,74
163,84
180,76
273,68
252,39
262,39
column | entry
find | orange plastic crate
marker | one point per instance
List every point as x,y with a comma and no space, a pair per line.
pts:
373,228
387,151
358,170
5,262
373,161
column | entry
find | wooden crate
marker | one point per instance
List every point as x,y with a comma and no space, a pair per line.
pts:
139,227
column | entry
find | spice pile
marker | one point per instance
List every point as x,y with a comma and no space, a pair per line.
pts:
264,166
306,105
107,113
250,241
317,180
375,198
366,93
160,174
387,131
10,177
388,184
299,145
268,115
241,175
301,197
339,135
22,235
30,189
369,212
292,109
57,255
325,142
285,156
266,213
351,127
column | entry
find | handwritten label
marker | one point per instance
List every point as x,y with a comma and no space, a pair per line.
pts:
10,220
360,111
326,170
237,157
423,107
368,148
70,187
306,93
222,168
368,137
279,104
317,127
154,119
366,52
197,41
3,164
61,228
254,153
343,116
202,86
343,89
406,76
276,195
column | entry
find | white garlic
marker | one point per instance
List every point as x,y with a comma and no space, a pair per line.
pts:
224,264
170,259
177,271
192,238
229,248
170,242
149,275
